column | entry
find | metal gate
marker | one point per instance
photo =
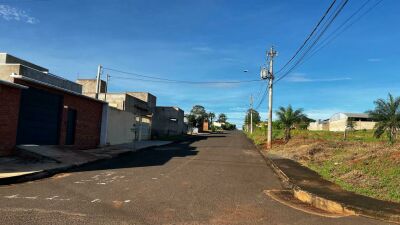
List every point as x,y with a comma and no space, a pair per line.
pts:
39,117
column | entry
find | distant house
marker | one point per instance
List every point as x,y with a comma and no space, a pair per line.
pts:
218,124
339,122
168,121
130,113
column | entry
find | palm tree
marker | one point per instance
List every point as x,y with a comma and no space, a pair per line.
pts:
211,116
387,116
288,117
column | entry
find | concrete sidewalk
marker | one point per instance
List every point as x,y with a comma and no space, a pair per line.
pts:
47,160
310,187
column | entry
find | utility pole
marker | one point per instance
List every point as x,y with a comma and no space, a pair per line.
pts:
107,81
251,114
98,80
269,74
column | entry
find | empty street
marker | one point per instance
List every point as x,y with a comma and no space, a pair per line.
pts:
211,179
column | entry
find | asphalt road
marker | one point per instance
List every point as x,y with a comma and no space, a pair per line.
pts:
218,179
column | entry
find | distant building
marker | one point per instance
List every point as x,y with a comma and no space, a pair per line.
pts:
138,109
339,122
168,121
319,125
218,124
205,126
51,110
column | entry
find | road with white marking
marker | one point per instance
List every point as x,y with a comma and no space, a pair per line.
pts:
216,179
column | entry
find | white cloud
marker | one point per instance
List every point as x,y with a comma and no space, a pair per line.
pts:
10,13
301,77
374,60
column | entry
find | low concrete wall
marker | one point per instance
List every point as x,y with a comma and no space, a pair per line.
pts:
315,126
120,124
367,125
340,125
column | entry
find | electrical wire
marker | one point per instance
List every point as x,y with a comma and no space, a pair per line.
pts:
309,36
331,38
165,80
329,23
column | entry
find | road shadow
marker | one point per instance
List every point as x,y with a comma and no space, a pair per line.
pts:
154,156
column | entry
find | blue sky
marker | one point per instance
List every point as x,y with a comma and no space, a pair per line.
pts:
211,40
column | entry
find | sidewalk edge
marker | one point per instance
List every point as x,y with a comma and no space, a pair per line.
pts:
323,203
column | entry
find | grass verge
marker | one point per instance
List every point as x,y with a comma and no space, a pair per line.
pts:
361,163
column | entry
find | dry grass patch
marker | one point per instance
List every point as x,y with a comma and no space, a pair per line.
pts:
360,164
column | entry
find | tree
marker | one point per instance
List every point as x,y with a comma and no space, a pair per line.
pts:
222,118
228,126
304,122
256,117
387,116
211,116
197,115
350,124
289,117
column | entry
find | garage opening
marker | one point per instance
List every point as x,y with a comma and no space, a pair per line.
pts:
39,117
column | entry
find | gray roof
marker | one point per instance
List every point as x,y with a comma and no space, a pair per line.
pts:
7,83
357,115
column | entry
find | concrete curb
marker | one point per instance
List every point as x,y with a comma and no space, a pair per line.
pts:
326,204
51,172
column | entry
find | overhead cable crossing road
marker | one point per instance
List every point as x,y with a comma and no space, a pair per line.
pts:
165,80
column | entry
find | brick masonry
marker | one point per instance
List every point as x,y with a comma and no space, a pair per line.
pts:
89,113
88,122
9,109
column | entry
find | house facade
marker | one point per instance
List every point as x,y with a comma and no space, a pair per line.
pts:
52,110
168,121
10,95
340,121
129,115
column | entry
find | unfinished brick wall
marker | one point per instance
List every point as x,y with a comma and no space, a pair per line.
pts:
9,109
88,121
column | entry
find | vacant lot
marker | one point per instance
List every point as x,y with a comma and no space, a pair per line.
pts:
360,163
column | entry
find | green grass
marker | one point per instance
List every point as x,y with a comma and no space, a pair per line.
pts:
386,173
380,173
362,135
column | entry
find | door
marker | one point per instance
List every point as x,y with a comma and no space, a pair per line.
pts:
71,123
39,117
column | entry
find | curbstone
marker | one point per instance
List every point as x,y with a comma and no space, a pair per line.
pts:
323,203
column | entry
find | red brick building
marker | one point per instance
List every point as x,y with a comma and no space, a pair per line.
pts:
52,110
9,108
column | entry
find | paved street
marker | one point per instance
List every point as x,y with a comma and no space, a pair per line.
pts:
217,179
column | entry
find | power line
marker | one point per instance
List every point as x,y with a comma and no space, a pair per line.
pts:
187,82
331,38
342,28
309,36
329,23
165,80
